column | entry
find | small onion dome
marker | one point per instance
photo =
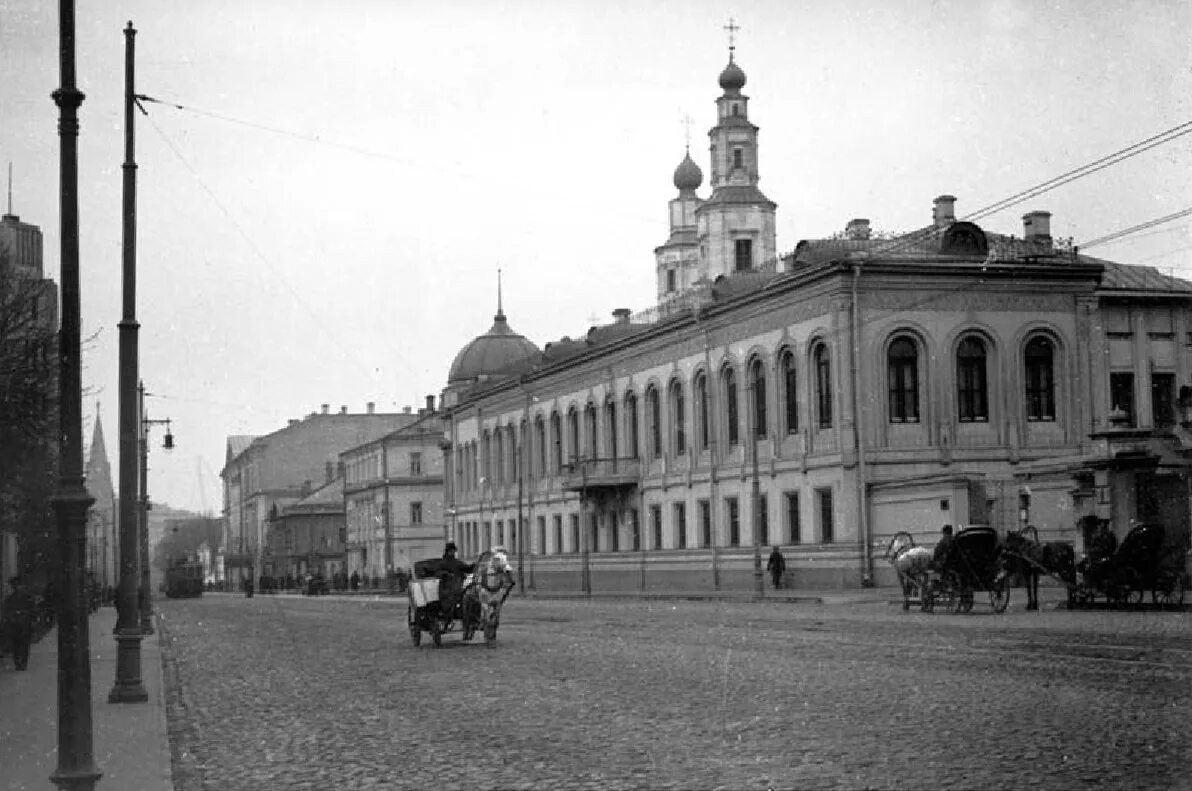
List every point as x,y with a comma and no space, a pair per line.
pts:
500,350
688,176
732,79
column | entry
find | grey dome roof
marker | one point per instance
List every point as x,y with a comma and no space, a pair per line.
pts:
688,176
498,351
732,79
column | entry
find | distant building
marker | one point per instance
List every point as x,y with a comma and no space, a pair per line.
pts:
823,400
103,542
307,537
393,495
277,470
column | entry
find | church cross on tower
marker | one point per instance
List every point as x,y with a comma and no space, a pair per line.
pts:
732,28
687,130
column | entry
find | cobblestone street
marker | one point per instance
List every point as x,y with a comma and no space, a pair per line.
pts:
297,693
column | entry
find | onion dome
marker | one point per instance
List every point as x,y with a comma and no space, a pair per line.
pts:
732,79
688,176
496,352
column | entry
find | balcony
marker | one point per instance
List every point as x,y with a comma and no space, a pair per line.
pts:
592,474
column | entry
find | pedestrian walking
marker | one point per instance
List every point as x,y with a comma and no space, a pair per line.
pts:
16,622
776,565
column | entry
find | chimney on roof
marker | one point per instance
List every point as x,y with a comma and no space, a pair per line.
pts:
430,403
621,316
343,410
372,407
1036,226
943,212
857,229
326,409
330,472
406,410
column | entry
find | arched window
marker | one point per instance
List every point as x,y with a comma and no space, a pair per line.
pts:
678,418
573,434
757,382
823,385
499,456
902,362
1040,379
610,426
556,436
631,432
732,425
540,441
654,419
971,385
790,391
486,458
702,411
593,438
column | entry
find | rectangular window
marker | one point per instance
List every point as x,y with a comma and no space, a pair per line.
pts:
681,525
593,533
614,533
415,513
732,511
655,527
558,525
575,545
1121,399
792,517
827,530
415,464
737,155
670,281
743,254
501,532
763,520
1163,399
705,523
541,547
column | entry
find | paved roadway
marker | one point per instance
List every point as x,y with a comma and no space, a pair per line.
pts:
297,693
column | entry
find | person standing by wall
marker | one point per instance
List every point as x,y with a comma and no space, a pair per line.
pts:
16,622
776,565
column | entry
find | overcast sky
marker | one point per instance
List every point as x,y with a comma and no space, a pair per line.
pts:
325,225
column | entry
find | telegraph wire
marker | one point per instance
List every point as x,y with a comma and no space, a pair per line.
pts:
1113,237
346,349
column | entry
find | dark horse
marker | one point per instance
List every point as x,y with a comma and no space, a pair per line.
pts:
1026,558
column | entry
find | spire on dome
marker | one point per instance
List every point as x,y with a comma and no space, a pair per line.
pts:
500,312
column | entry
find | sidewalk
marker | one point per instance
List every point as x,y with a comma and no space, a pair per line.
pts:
130,742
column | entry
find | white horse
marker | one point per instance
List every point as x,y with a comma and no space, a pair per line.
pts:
912,564
491,583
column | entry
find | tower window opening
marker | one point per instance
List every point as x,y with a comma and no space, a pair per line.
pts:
736,109
670,281
744,255
738,159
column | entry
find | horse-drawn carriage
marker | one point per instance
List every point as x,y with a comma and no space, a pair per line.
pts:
445,592
1123,574
970,565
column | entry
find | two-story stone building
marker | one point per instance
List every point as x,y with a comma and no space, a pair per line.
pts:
854,388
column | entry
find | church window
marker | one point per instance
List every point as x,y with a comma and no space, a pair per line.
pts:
556,435
736,109
902,365
1040,379
631,432
573,433
823,385
590,422
790,392
744,254
678,418
738,159
670,281
730,405
757,382
702,411
610,425
972,387
654,418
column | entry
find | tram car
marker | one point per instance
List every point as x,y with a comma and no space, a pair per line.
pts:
184,579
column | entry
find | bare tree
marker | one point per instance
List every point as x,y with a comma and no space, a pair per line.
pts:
28,413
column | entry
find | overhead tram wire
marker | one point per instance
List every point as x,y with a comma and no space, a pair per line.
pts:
345,348
1116,235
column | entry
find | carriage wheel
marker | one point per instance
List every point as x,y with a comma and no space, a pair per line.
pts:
999,595
927,599
966,601
436,632
415,629
490,634
1169,591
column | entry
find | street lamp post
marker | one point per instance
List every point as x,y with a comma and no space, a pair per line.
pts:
128,687
146,592
76,763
